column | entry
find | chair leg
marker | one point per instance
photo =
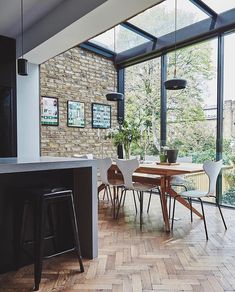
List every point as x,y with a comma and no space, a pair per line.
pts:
39,222
134,201
150,196
110,194
173,213
119,203
141,209
169,206
124,199
75,232
221,214
191,210
104,193
204,219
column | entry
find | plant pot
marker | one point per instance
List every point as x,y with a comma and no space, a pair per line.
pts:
172,155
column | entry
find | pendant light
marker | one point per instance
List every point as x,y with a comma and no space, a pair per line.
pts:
175,83
22,63
114,96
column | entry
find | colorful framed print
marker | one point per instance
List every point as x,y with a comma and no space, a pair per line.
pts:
101,116
49,111
75,114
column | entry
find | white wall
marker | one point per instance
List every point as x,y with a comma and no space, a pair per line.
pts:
28,123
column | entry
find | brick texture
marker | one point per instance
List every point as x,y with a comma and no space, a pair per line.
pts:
77,75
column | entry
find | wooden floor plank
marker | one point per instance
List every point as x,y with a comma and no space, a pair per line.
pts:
131,260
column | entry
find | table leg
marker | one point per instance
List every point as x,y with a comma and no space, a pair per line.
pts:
164,203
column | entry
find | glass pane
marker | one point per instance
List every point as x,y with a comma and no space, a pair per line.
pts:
220,6
191,113
159,20
124,39
228,196
142,106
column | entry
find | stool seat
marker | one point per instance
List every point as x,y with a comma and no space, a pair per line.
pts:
42,199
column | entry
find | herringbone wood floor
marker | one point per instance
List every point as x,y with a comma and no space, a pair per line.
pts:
151,260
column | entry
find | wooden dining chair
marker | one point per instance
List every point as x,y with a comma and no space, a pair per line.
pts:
212,170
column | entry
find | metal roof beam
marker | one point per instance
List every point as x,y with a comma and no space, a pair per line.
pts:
139,31
98,49
205,8
188,35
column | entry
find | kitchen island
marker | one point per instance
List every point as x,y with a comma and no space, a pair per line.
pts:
80,175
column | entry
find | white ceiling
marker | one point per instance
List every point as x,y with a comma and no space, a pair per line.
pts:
54,26
33,11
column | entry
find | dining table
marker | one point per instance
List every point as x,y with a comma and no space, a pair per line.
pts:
160,174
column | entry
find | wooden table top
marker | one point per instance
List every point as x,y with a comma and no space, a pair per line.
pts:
168,170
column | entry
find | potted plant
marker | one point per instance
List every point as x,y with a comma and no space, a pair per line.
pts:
172,151
125,136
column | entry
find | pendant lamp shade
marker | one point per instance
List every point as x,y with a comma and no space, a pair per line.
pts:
22,63
114,96
175,83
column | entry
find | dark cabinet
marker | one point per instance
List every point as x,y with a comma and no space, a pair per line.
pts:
7,97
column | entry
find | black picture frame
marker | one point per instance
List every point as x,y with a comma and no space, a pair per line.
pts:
101,115
75,114
49,111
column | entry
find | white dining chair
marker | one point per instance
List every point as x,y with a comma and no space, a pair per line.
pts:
212,170
103,165
127,168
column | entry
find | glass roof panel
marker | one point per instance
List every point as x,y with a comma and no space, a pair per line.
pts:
159,20
124,39
220,6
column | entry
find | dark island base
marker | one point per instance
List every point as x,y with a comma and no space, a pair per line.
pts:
79,180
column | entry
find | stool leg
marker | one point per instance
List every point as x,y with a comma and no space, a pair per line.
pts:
39,225
51,223
75,232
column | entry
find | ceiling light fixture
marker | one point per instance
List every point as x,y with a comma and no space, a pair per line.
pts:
175,83
22,63
114,96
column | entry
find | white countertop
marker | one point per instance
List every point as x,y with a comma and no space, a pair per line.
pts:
25,164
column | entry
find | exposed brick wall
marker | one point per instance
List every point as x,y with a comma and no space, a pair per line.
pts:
77,75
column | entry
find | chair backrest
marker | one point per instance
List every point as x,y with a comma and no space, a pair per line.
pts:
104,165
127,168
212,169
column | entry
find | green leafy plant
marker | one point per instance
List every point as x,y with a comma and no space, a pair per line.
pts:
127,134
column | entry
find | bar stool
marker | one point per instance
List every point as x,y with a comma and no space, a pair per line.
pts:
41,200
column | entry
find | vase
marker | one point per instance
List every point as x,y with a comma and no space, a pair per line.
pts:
172,155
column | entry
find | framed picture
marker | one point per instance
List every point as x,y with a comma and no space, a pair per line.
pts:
101,116
49,111
75,114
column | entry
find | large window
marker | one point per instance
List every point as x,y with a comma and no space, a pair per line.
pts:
228,185
191,113
142,105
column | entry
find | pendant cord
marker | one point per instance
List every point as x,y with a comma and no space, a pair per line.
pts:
22,29
114,47
175,35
